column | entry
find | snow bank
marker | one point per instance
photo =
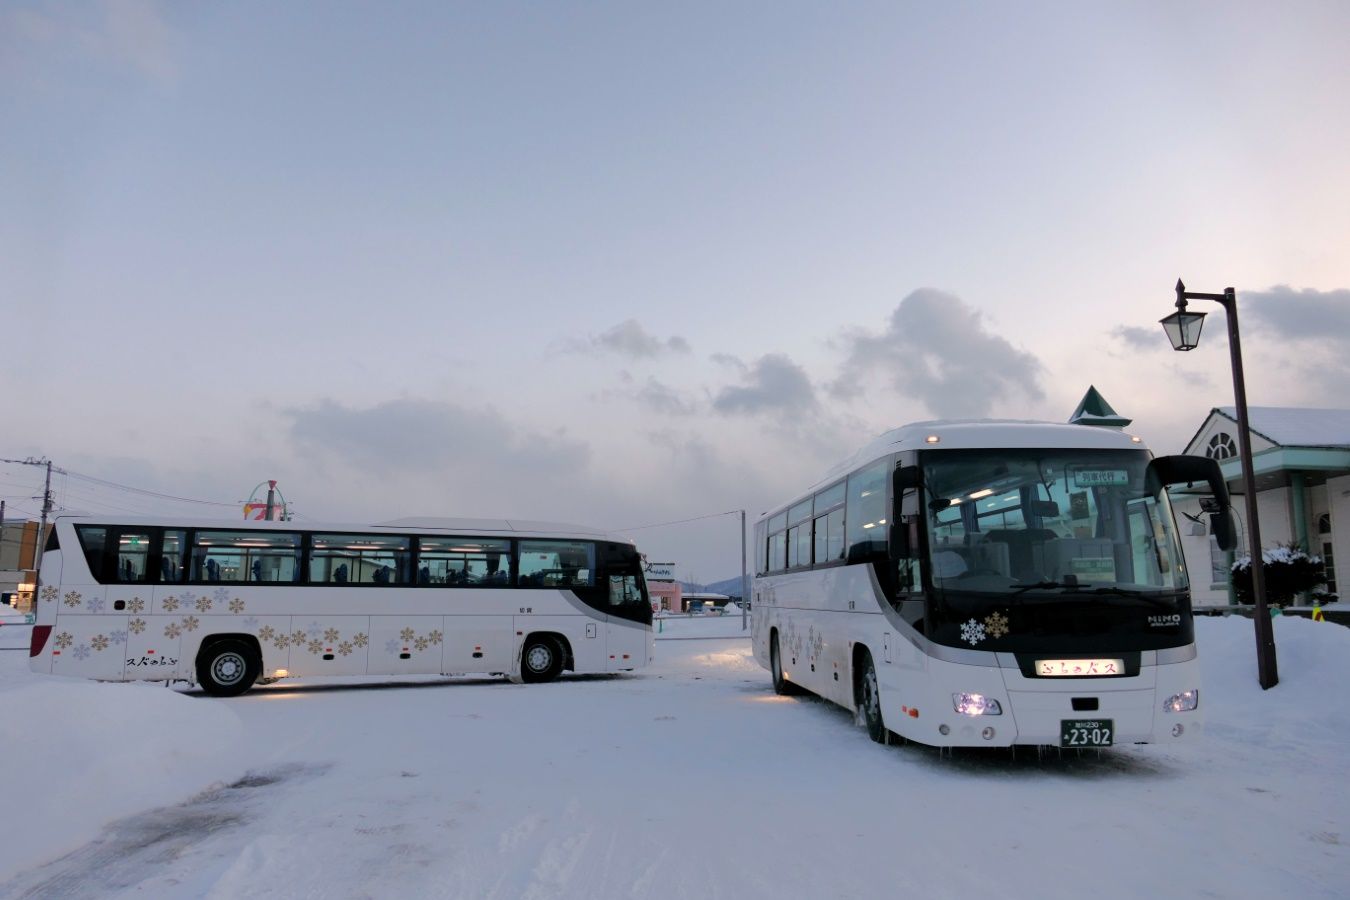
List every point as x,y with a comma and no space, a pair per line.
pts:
79,755
1313,659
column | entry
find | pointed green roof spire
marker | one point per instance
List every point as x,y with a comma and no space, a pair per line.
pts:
1094,410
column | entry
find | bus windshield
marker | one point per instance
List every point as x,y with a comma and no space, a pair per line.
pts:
1023,527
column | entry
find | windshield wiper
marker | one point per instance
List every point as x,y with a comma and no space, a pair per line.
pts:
1166,602
1044,585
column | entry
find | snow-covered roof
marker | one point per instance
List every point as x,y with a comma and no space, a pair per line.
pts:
1291,426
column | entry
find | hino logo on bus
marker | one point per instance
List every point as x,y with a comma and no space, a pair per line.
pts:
1171,621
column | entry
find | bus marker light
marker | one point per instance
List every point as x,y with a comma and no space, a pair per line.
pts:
932,439
913,713
281,673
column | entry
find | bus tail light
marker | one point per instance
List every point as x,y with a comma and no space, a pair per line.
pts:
38,641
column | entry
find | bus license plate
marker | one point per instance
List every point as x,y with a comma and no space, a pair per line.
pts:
1086,732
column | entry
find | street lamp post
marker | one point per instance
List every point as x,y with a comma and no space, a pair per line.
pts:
1183,329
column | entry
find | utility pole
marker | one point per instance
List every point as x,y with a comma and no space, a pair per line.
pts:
745,578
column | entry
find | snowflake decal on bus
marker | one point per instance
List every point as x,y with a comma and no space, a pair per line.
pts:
331,635
117,637
996,625
64,640
236,606
345,648
421,644
99,642
435,637
136,626
266,633
299,639
283,641
135,605
203,604
49,592
360,639
173,631
392,647
81,652
94,604
190,623
221,595
315,647
407,634
169,604
189,599
251,622
972,632
72,599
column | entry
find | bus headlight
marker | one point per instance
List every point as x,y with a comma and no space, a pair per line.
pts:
1183,702
976,705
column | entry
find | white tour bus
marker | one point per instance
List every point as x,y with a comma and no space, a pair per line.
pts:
990,584
227,604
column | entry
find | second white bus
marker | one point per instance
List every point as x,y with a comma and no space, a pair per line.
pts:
990,584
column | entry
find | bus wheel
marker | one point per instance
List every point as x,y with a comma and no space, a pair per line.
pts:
227,668
869,699
780,684
540,661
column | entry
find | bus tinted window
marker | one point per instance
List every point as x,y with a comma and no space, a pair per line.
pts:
800,512
92,540
172,562
557,564
133,554
830,536
359,559
778,552
830,498
867,511
463,561
253,556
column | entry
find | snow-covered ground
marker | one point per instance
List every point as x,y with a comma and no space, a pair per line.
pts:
690,779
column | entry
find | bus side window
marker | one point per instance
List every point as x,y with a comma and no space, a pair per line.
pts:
133,552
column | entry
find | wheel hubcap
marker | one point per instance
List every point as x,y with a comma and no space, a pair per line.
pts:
539,658
228,668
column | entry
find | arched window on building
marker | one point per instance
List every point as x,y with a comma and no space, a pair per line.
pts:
1221,446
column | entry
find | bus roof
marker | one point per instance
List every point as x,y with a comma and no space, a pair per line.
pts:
504,527
965,434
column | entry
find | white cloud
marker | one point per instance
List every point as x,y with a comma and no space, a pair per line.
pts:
937,349
427,436
772,384
630,339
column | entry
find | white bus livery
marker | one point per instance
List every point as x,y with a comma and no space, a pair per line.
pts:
229,604
990,584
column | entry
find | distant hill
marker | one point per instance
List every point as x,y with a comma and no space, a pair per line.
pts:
729,586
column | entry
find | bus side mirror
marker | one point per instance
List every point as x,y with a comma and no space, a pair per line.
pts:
906,478
903,540
1221,526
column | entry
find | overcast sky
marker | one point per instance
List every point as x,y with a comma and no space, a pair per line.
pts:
626,263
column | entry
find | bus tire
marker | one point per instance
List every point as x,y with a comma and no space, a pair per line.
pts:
227,668
868,694
541,660
780,684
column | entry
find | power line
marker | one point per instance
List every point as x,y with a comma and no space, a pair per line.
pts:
730,512
135,490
